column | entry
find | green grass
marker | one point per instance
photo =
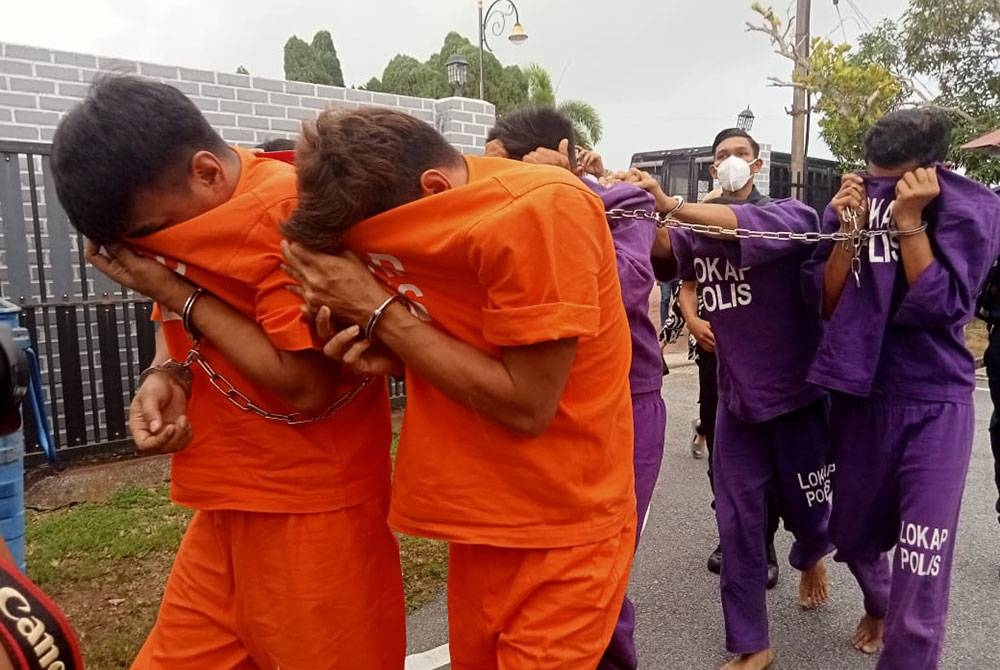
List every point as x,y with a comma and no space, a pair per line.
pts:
78,544
106,564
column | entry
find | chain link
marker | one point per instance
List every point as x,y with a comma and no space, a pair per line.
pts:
244,403
854,240
663,221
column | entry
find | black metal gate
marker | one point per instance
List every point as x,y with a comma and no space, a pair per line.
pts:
92,337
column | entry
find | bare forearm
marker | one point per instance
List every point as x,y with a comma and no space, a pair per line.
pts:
915,250
838,268
465,374
162,354
722,216
687,300
304,380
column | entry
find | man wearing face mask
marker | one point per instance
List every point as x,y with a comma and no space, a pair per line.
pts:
771,428
737,160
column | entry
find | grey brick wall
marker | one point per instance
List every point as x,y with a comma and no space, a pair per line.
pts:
38,85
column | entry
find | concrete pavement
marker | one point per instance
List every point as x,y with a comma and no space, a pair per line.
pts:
680,618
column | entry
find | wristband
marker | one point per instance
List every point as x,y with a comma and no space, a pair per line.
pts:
186,313
380,312
33,631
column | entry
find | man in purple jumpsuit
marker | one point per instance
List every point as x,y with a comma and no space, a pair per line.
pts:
544,136
771,428
894,355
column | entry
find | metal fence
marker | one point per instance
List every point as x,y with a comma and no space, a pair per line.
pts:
93,337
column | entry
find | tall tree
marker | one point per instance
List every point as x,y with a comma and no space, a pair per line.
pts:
587,126
540,89
326,57
300,61
315,63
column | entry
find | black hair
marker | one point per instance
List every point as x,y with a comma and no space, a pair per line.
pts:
128,134
921,135
736,132
524,130
277,144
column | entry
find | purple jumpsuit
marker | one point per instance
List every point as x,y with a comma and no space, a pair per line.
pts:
633,239
902,411
771,430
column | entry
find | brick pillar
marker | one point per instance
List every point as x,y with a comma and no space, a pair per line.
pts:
465,122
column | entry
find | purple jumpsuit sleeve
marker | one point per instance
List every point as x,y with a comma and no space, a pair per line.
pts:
964,236
633,239
787,216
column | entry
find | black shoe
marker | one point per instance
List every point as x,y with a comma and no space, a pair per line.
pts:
772,567
715,561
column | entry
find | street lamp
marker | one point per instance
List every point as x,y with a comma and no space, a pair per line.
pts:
497,22
457,69
745,120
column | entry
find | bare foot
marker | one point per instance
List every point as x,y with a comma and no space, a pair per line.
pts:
758,661
813,587
868,636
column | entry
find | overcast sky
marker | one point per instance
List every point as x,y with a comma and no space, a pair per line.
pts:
662,73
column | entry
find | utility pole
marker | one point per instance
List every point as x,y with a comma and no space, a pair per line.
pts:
799,110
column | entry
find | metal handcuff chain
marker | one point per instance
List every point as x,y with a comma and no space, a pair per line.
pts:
243,402
853,241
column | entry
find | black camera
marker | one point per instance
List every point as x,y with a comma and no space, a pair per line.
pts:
14,376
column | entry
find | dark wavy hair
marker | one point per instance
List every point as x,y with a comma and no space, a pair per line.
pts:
355,164
921,135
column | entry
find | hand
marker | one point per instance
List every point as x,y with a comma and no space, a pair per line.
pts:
590,162
363,357
543,156
914,192
342,283
701,331
143,275
157,416
649,183
852,195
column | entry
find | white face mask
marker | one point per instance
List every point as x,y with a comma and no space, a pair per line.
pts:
733,174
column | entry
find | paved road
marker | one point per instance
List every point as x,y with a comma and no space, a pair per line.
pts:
678,601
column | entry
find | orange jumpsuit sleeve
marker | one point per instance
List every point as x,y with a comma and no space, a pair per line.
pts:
277,310
538,260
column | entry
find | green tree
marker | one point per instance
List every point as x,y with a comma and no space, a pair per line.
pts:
540,89
587,126
326,57
405,75
315,63
957,43
850,89
954,42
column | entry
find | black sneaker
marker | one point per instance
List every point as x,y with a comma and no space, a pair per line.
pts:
772,567
715,561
